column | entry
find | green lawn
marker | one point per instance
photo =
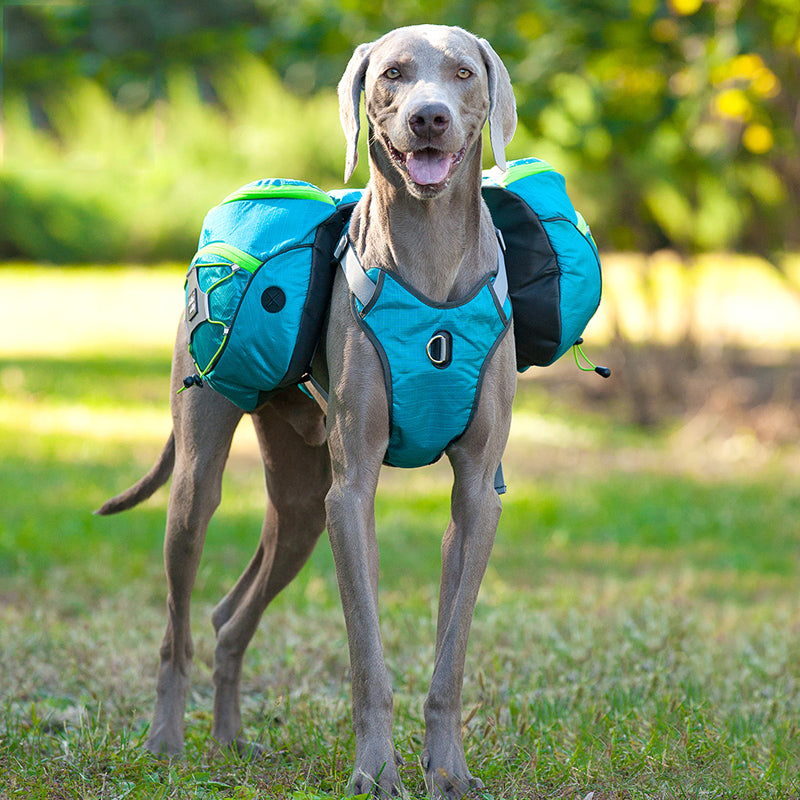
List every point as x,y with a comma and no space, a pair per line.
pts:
637,635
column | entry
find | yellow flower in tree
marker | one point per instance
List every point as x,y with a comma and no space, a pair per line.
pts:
685,7
733,104
758,138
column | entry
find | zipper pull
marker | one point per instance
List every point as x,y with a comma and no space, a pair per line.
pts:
577,350
189,381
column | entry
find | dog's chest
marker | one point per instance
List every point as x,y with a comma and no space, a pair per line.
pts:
433,358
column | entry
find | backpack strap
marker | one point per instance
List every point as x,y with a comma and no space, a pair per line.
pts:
499,481
363,287
197,309
500,283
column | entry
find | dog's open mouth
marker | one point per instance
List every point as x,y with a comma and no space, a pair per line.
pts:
428,167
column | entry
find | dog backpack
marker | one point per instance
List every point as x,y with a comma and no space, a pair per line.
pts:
258,288
553,267
552,263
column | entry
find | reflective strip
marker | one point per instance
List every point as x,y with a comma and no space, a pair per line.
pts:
225,250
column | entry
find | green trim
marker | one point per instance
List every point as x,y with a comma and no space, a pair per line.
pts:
286,191
520,171
225,250
215,357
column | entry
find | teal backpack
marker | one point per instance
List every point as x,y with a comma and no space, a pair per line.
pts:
553,266
259,286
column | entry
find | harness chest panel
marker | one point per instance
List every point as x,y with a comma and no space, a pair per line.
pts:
434,357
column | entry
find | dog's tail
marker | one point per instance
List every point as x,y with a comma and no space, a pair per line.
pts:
146,485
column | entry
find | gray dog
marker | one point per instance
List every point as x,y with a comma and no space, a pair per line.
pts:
429,91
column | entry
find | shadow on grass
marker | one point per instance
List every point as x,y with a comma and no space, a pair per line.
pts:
606,526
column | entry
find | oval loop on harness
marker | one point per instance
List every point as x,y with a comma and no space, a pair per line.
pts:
440,349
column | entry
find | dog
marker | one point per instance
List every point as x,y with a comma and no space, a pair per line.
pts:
429,91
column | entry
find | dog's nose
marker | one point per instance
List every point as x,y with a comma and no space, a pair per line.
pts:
430,120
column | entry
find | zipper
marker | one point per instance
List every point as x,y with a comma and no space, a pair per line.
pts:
239,257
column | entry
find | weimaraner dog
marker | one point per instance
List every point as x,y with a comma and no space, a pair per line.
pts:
429,91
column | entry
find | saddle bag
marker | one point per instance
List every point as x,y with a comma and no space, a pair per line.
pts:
552,263
259,286
553,267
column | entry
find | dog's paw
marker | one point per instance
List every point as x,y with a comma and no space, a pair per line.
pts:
454,783
247,750
375,776
365,786
164,747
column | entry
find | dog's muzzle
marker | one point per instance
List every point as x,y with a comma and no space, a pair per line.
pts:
427,167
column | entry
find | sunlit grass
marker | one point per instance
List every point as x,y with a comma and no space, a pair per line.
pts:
635,637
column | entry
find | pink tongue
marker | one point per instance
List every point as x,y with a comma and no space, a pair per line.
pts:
428,167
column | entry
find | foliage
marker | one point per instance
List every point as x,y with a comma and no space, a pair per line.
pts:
674,120
106,183
680,128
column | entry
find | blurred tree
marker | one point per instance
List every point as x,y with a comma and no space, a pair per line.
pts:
676,121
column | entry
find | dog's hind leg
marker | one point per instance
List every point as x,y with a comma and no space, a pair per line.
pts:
298,478
203,423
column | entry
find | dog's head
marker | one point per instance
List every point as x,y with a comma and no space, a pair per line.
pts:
429,90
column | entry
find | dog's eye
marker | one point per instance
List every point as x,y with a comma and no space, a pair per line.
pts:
464,73
392,73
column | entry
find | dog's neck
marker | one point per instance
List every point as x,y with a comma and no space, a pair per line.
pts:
436,245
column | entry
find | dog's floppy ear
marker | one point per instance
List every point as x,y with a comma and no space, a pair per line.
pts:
350,87
502,105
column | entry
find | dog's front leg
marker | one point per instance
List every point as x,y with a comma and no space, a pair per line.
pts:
351,528
466,547
357,439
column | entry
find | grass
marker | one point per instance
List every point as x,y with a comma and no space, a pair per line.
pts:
636,634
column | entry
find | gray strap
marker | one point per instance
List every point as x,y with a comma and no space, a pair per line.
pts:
500,288
361,285
317,391
197,309
499,482
500,285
